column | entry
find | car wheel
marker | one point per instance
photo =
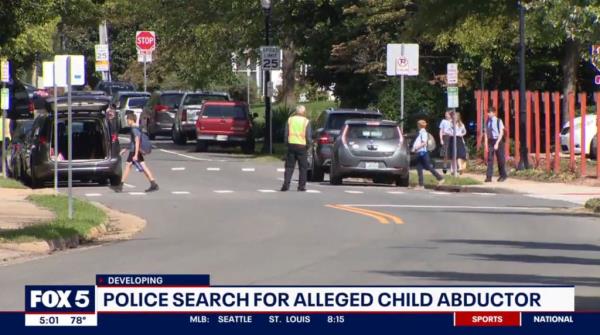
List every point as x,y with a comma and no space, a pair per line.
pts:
594,148
178,137
201,146
403,181
317,174
115,180
248,147
334,177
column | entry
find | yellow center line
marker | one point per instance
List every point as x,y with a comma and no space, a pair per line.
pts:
383,218
379,218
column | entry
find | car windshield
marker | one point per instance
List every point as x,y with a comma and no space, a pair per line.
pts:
170,99
366,132
198,99
137,102
225,111
337,121
114,87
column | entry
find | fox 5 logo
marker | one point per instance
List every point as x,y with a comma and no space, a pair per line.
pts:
60,299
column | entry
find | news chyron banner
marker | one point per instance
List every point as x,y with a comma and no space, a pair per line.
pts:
188,304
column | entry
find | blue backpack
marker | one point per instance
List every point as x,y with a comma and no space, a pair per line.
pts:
145,144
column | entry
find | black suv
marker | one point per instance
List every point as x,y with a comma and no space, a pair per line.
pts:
326,129
25,100
159,113
95,145
113,87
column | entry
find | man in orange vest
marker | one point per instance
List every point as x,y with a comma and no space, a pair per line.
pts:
297,136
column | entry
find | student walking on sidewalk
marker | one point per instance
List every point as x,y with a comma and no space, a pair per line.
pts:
494,141
297,137
423,159
136,157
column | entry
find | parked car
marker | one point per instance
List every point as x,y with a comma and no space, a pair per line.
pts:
226,123
159,113
95,146
184,127
21,129
113,87
326,129
120,97
370,149
590,136
132,105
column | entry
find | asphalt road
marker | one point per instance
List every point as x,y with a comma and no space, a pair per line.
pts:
221,214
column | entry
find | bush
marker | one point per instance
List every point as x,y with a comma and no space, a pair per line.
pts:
280,117
239,90
593,204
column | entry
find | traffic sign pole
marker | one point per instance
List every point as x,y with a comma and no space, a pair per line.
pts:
5,77
70,137
145,73
55,130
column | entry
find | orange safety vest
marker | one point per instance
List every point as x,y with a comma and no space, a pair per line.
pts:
297,130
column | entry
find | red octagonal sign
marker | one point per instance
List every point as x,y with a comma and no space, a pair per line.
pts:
145,40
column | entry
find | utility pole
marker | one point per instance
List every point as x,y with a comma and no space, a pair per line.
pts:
103,31
524,163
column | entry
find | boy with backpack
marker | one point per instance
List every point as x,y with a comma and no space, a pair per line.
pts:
494,141
421,148
140,145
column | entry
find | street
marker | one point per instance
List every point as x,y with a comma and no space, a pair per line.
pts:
222,214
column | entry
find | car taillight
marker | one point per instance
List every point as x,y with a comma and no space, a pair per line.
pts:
114,138
344,133
43,140
325,139
161,108
184,115
31,107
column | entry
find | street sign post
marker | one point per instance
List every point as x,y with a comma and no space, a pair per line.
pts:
69,70
402,60
270,60
5,96
452,81
102,58
145,42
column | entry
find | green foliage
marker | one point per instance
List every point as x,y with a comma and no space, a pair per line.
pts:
593,204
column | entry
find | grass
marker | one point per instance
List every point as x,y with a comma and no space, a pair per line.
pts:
593,204
10,183
85,217
534,174
450,180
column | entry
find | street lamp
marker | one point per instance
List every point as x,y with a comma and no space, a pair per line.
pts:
268,145
524,163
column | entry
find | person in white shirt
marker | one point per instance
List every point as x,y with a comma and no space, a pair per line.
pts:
423,160
445,133
461,150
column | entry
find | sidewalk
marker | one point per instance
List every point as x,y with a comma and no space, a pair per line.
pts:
16,212
577,194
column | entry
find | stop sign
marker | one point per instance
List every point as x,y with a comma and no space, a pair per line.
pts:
145,40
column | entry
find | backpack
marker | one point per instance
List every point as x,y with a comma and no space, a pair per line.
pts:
145,144
431,144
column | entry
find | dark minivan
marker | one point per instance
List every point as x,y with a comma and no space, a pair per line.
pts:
159,113
95,145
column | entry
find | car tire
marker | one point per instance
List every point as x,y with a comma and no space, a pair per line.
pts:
403,181
593,148
115,180
334,177
178,137
201,146
248,147
317,174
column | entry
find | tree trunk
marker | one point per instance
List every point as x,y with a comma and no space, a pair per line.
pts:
570,62
289,74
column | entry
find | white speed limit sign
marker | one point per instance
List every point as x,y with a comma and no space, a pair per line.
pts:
270,58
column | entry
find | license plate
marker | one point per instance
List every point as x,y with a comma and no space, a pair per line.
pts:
222,138
372,165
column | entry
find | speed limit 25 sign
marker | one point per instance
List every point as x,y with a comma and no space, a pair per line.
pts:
270,58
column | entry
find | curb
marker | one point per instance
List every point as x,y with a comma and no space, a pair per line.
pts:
471,189
99,233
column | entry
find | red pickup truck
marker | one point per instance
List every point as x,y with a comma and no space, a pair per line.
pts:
224,123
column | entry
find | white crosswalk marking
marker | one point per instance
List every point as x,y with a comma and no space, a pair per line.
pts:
223,191
213,169
484,194
354,192
93,195
180,192
267,191
248,169
396,192
129,185
178,169
137,193
440,193
280,170
313,191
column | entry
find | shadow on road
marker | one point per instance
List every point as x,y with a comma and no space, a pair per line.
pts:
533,259
527,244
